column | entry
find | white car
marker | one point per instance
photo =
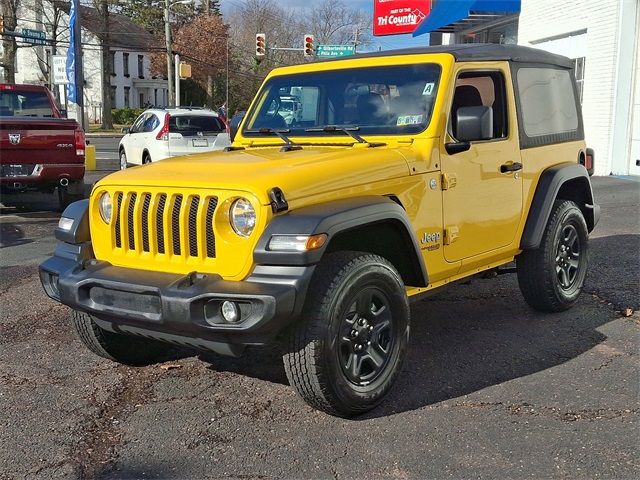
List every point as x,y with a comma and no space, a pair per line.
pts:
162,133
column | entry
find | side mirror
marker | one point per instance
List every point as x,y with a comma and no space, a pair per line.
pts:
474,123
63,113
126,130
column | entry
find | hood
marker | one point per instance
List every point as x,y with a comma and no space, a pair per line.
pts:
299,173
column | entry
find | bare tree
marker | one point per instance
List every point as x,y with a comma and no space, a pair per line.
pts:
104,7
333,23
9,11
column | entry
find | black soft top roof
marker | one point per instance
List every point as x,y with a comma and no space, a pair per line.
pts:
480,52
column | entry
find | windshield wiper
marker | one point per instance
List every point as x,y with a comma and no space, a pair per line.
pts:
288,144
348,130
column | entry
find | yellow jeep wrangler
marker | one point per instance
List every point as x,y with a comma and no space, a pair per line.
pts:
398,173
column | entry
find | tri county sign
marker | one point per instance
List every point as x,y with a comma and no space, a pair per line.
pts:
392,17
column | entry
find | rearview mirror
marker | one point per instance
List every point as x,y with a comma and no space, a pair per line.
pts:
474,123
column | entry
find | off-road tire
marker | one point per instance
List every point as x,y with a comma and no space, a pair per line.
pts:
124,349
313,349
538,270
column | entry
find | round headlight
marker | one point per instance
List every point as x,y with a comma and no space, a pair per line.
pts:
105,206
243,217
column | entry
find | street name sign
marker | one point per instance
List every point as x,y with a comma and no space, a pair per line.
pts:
325,51
34,37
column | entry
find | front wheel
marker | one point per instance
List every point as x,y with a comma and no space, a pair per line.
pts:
116,347
552,276
346,351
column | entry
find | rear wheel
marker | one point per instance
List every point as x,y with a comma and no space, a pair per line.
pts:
123,160
146,158
116,347
552,276
345,353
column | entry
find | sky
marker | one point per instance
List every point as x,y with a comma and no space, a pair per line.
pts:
389,42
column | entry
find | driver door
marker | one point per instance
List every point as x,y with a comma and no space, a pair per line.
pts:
482,201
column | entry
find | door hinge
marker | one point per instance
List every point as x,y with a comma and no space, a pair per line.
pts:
449,180
451,234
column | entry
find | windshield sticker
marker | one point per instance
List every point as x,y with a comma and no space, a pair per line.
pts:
428,89
409,120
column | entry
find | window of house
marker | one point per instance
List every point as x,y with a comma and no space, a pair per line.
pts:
127,95
475,89
548,104
125,64
140,66
112,63
114,91
578,71
141,100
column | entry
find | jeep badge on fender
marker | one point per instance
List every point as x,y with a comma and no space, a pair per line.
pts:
352,186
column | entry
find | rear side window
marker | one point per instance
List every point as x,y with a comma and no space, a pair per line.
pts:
25,104
189,125
548,107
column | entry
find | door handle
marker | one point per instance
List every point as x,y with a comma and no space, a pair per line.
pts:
510,167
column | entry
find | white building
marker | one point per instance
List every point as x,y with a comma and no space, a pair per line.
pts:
131,83
603,39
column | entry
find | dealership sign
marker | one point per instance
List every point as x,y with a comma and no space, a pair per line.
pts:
392,17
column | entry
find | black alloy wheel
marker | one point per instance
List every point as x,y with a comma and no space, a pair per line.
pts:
366,337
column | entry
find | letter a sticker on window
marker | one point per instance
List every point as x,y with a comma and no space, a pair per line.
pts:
428,89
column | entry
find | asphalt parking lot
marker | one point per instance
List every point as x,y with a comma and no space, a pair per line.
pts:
490,388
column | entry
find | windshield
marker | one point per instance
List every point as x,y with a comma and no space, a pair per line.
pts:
377,100
25,104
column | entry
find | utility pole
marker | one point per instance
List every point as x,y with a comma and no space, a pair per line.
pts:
167,33
177,69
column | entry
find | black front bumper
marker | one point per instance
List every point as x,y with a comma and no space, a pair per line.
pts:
182,309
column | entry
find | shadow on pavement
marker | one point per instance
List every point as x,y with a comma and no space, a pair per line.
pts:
11,235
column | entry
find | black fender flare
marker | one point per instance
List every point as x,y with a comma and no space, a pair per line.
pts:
79,230
549,186
333,218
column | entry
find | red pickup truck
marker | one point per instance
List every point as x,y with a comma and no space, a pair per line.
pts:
39,150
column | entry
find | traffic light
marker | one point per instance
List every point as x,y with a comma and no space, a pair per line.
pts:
261,45
309,49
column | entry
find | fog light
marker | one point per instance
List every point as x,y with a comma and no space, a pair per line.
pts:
230,311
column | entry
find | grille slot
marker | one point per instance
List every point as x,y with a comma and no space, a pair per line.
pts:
130,222
175,225
145,222
193,226
118,231
160,223
211,236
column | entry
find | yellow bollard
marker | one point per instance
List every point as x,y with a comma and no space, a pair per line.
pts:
90,157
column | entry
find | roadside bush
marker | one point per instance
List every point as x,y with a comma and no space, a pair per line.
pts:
125,116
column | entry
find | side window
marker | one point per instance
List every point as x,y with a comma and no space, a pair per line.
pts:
475,89
137,125
151,123
547,102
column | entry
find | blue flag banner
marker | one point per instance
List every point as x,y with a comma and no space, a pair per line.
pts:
71,57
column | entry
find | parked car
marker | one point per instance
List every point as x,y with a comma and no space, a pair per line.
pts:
235,122
162,133
317,235
39,150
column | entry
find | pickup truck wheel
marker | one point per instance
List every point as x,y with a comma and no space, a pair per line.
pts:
123,160
345,352
552,276
119,348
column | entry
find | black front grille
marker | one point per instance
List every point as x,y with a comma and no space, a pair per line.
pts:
149,212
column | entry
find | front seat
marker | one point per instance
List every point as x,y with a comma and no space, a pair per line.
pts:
465,96
371,109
